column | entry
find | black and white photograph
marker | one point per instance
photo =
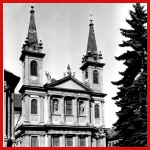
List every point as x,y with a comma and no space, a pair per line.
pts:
75,74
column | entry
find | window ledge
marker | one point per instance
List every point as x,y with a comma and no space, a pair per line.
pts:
70,115
34,114
81,116
56,114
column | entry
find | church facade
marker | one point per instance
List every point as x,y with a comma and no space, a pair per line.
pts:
64,112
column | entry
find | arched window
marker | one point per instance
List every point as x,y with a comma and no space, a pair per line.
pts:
86,74
34,106
95,76
96,111
34,68
55,106
81,108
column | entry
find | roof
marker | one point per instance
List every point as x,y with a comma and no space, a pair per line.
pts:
32,33
112,133
11,79
91,46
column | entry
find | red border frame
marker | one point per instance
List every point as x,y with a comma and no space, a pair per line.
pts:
1,56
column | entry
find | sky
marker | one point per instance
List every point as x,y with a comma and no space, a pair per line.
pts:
64,29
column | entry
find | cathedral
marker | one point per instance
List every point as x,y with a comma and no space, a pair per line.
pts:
64,112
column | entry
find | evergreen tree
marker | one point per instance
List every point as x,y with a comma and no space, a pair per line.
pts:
132,96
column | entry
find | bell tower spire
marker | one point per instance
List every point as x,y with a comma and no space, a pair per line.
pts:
32,33
91,46
32,56
92,66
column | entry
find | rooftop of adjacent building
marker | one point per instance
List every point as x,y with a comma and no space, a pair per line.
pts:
112,134
11,79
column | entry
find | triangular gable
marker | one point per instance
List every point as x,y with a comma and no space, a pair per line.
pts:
69,83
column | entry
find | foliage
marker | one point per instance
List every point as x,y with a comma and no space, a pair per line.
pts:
132,96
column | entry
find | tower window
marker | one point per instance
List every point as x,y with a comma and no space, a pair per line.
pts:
95,76
96,111
34,68
34,106
86,74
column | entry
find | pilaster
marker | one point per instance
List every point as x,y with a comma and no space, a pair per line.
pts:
76,141
88,112
63,141
92,113
103,115
89,141
26,71
75,110
49,114
27,108
42,141
42,109
63,110
49,140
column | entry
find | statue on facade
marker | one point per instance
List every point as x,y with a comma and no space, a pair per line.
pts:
81,108
55,106
101,132
48,77
69,70
87,82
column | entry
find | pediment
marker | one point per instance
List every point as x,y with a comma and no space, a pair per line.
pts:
69,83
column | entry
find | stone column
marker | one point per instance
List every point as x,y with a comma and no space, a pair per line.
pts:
102,142
27,141
103,115
63,141
94,142
42,109
75,110
49,140
42,140
76,141
27,108
63,110
49,115
89,141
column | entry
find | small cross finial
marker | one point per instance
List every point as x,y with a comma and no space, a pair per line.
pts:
91,16
91,19
32,10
